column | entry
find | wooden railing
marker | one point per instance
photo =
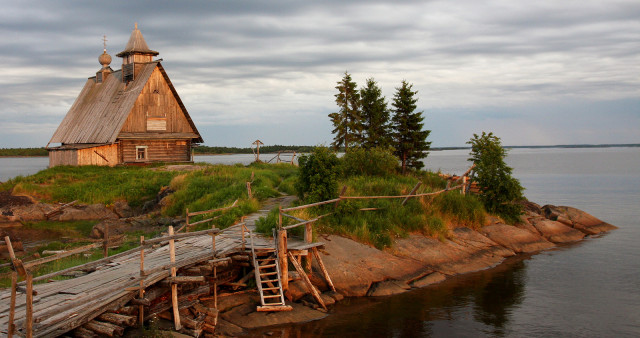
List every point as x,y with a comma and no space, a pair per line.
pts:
188,225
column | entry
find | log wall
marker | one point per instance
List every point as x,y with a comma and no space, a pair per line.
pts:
156,101
157,150
63,157
104,155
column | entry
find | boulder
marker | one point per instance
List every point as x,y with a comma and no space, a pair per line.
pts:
556,232
122,209
577,219
253,320
467,251
116,227
432,278
516,239
229,301
354,266
387,288
31,212
85,212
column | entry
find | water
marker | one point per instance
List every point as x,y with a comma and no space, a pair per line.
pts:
11,167
587,289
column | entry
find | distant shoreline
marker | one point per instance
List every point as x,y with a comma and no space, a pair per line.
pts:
559,146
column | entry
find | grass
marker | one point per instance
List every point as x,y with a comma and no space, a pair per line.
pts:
433,216
92,184
73,229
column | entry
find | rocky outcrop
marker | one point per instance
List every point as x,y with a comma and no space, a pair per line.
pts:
516,239
554,231
354,266
577,219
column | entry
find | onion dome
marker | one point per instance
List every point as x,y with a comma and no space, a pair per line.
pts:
104,59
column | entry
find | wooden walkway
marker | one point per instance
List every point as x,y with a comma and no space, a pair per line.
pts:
61,306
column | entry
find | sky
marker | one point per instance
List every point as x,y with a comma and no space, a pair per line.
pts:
541,72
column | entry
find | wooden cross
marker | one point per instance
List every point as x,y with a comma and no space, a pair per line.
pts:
257,143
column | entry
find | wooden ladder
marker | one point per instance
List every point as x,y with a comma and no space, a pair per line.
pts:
267,272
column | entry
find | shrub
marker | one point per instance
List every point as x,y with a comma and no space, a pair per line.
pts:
318,176
464,209
373,162
499,190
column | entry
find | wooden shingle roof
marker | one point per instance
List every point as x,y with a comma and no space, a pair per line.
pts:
100,111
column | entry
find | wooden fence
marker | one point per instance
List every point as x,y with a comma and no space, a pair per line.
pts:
188,225
308,224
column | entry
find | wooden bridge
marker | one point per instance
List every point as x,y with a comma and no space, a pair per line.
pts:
120,282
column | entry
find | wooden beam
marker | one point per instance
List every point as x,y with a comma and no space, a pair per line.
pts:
413,191
325,273
307,282
174,287
178,236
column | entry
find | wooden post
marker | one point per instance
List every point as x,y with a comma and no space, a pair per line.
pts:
141,291
293,157
308,238
29,306
243,240
174,287
464,185
12,305
215,272
17,264
105,248
249,190
282,257
187,221
413,191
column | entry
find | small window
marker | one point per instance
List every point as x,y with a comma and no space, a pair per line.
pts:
141,153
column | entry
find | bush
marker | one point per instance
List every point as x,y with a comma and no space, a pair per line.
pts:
463,209
373,162
318,176
499,190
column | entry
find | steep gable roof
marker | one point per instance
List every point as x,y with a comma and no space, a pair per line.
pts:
101,109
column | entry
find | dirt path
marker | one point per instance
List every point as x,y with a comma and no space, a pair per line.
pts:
267,206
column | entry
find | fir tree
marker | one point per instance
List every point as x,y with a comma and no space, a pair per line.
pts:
409,140
375,116
347,122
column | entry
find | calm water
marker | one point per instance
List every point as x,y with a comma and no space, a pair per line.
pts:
588,289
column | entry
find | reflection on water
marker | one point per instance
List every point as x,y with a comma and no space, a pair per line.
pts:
465,305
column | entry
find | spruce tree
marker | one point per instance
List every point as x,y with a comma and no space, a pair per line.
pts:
409,140
375,116
347,122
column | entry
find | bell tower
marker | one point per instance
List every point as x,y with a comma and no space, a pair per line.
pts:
136,52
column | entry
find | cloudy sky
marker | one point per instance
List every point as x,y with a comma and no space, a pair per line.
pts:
538,72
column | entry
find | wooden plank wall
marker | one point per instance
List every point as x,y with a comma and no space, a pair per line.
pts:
157,151
156,101
62,157
89,156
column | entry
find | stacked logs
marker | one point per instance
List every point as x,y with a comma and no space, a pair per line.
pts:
195,283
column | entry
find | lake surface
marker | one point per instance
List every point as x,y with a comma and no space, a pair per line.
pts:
587,289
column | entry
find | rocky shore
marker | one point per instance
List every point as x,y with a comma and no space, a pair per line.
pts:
357,270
